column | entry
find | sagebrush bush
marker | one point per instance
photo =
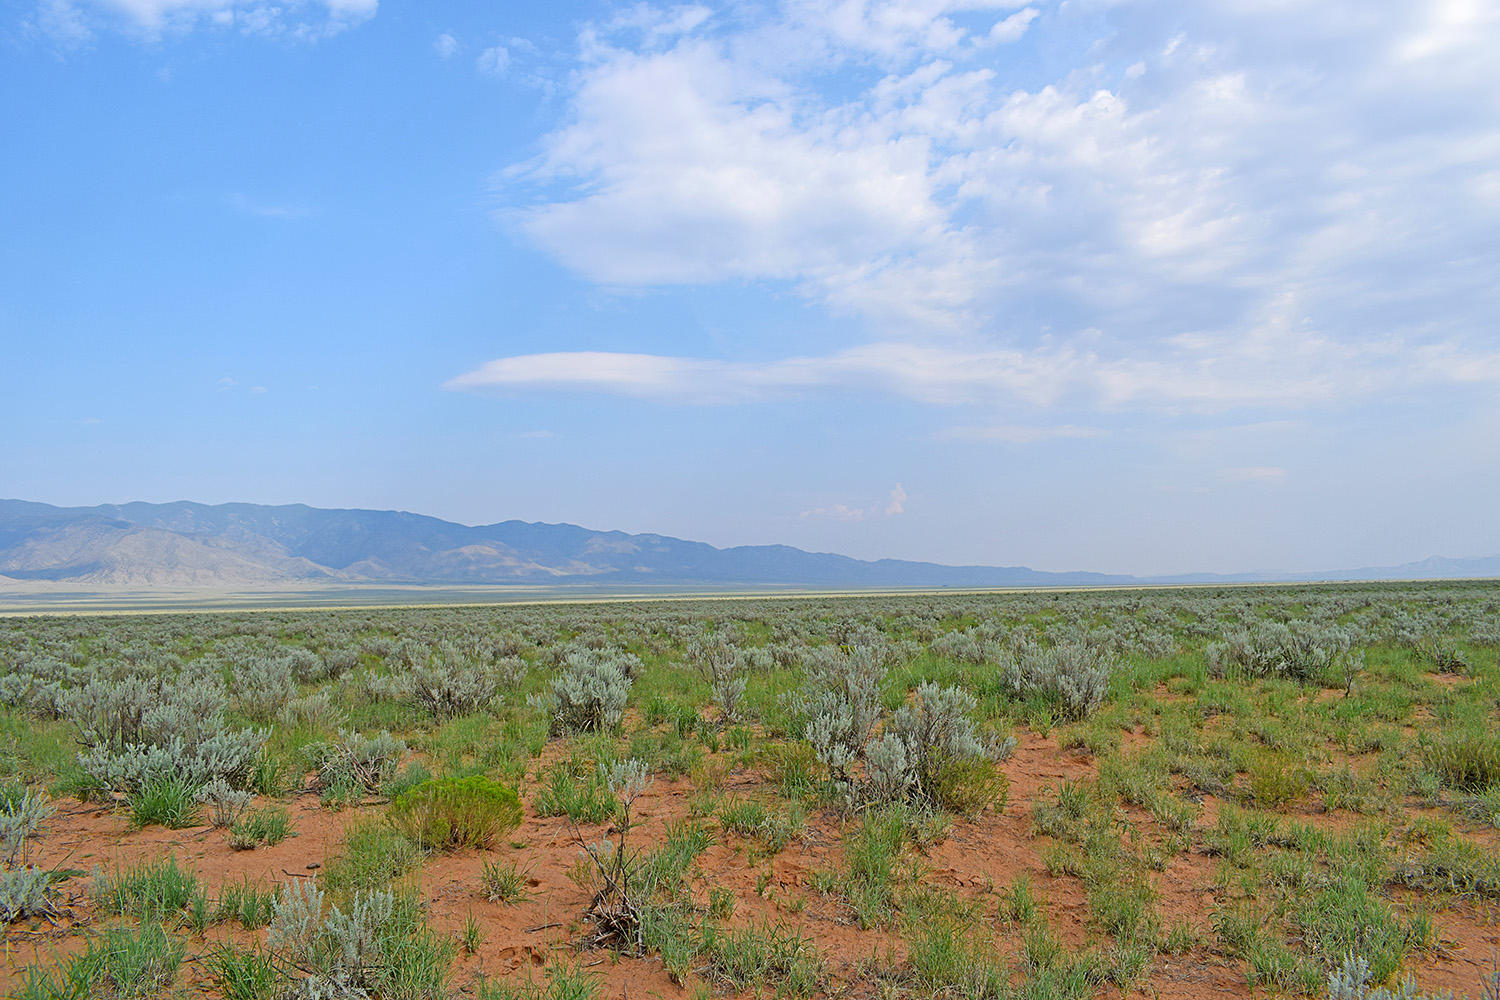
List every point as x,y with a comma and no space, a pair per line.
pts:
451,813
20,818
1298,650
723,667
932,754
1351,981
225,803
840,701
356,763
1073,678
589,694
140,729
25,892
451,683
263,685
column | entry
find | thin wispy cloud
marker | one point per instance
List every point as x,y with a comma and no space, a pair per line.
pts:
1265,369
76,21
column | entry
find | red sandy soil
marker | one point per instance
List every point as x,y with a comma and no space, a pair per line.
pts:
976,859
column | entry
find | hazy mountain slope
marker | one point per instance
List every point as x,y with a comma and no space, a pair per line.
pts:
238,544
194,544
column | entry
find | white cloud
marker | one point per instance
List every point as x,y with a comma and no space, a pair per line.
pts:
494,60
75,21
445,45
1270,367
1013,27
894,505
834,512
1249,210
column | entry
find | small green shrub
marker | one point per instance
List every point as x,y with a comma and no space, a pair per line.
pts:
453,813
241,901
168,801
1468,760
242,975
504,882
759,956
583,799
268,826
152,890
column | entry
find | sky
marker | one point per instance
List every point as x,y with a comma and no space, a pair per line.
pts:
1117,285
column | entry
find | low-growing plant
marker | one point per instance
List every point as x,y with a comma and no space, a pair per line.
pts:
758,956
151,890
453,813
168,801
25,892
505,882
251,906
576,791
225,804
243,975
269,826
21,816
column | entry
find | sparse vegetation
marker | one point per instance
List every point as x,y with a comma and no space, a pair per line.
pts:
1293,789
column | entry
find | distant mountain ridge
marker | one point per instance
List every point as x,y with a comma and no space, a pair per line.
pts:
232,545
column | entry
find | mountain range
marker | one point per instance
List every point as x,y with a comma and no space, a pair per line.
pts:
233,545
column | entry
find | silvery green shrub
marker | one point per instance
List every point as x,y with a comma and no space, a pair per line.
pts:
889,776
314,710
226,804
296,920
230,756
1297,650
1073,677
723,667
589,694
20,819
355,761
926,735
25,892
452,683
1351,981
264,684
355,938
133,709
840,701
341,952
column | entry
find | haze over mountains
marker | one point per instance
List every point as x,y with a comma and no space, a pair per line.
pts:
228,546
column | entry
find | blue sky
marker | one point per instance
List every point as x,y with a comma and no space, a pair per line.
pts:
1105,284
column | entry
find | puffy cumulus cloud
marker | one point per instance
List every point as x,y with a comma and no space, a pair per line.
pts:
1213,205
78,20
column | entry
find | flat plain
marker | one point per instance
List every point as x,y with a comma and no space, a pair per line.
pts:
1174,793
